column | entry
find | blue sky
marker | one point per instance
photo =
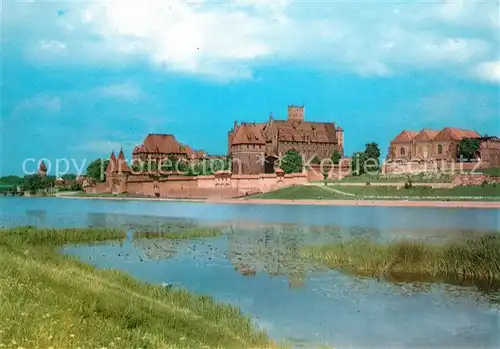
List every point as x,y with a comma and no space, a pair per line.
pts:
80,79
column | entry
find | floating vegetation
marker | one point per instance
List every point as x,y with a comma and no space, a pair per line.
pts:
191,233
471,259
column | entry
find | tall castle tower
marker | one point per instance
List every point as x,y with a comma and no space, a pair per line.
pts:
339,133
296,113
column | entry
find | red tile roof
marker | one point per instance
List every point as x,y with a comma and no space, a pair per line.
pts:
112,164
121,163
316,132
305,131
455,134
189,151
42,168
160,143
249,134
426,134
405,137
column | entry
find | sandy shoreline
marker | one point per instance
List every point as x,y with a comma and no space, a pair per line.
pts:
381,203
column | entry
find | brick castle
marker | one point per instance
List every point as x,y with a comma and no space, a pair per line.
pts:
415,150
257,146
255,149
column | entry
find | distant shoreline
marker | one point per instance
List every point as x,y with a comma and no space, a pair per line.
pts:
305,202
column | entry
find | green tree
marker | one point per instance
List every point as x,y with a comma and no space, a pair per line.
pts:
11,180
97,170
468,147
138,167
358,163
292,162
336,156
69,177
34,183
316,160
372,152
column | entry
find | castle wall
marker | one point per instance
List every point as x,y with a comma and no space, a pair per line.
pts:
444,166
490,152
315,172
222,185
248,161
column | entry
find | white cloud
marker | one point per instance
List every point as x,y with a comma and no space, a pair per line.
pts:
230,39
488,71
51,45
123,91
46,103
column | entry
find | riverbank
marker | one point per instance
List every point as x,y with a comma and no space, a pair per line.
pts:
322,202
53,301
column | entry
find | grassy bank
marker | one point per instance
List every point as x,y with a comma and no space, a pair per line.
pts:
309,192
495,171
472,259
339,192
464,191
399,178
192,233
50,300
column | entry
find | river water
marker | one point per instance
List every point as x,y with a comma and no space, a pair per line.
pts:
255,266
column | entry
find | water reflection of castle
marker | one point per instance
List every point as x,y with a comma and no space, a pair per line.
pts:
274,250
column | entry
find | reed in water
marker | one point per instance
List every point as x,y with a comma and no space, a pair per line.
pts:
471,259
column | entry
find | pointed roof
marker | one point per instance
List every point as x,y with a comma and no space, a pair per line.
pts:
111,164
163,143
249,134
42,167
121,163
189,151
426,134
455,134
405,137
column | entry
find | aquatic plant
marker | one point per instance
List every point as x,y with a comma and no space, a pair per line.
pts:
473,258
191,233
51,300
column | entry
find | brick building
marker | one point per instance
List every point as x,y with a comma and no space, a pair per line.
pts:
160,146
255,147
440,145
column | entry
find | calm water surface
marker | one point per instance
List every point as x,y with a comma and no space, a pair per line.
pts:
255,266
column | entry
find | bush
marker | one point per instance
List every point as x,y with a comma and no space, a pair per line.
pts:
408,184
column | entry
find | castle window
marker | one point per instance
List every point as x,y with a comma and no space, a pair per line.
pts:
440,149
402,151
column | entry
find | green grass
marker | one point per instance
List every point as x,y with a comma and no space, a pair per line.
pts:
192,233
399,178
51,300
7,188
314,192
300,193
472,259
495,172
104,195
477,191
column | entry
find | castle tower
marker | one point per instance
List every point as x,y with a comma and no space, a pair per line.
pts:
121,173
42,170
339,133
296,113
